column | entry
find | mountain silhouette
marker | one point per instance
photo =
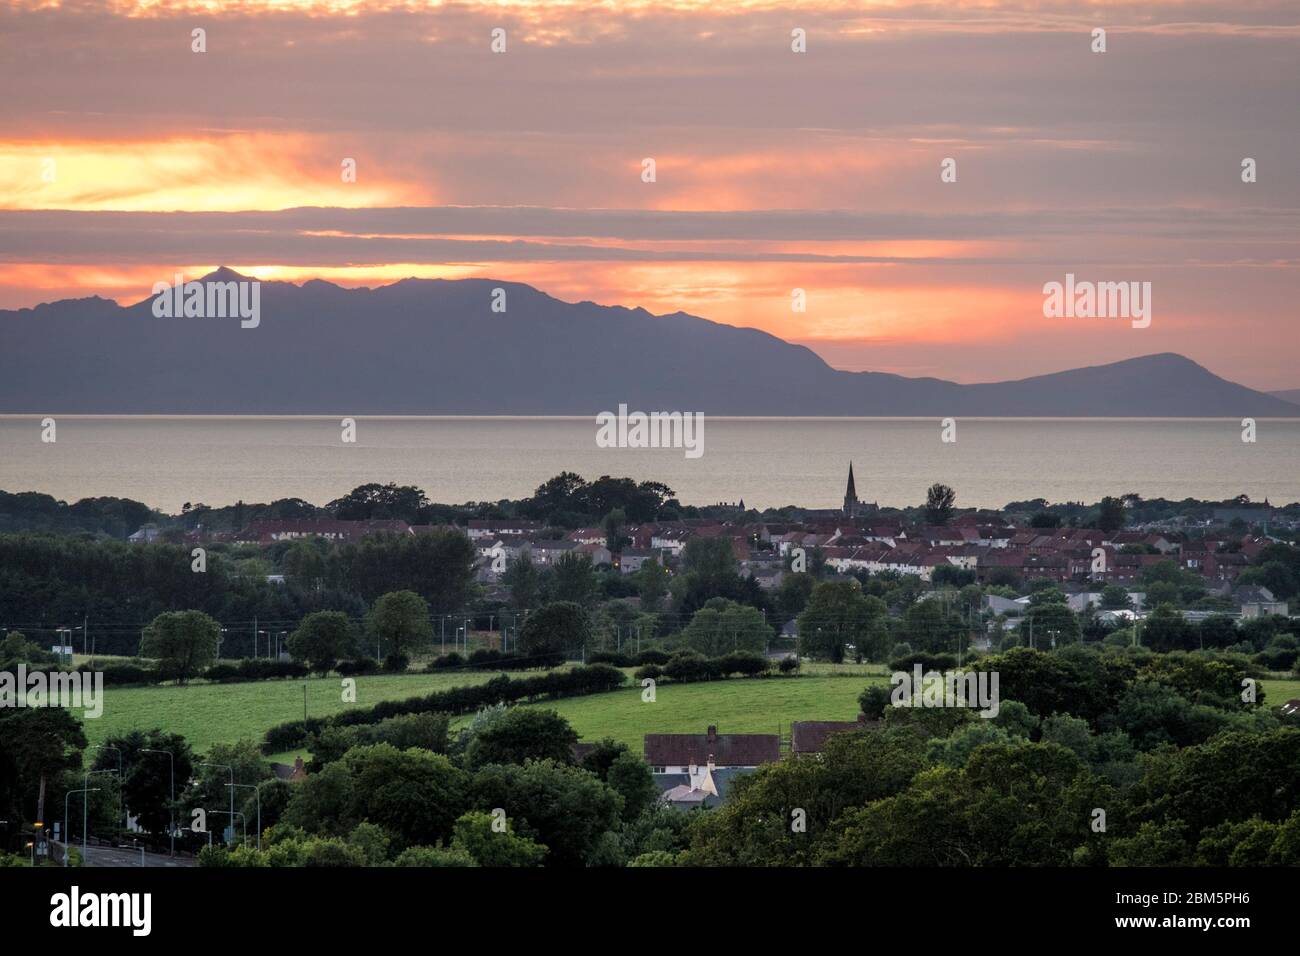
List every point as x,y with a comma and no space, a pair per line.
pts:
435,346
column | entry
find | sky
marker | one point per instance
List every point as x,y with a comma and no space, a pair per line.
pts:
126,156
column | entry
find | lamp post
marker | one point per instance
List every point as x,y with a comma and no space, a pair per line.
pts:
257,791
171,809
232,793
120,818
85,809
83,790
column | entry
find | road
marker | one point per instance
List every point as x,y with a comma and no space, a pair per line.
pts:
103,856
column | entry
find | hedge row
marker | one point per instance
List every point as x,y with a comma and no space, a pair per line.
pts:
619,659
454,700
489,659
255,668
687,666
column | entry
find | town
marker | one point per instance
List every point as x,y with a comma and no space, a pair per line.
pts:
674,669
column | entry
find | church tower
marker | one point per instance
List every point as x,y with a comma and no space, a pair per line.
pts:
851,496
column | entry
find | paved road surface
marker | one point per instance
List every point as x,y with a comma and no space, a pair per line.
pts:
103,856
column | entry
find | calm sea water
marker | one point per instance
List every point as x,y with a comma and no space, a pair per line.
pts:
167,461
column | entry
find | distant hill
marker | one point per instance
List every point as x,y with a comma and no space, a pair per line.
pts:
1288,395
434,347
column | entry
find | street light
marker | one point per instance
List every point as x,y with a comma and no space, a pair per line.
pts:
232,793
85,807
171,809
257,790
65,818
119,779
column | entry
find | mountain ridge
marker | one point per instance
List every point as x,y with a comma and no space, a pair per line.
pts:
433,346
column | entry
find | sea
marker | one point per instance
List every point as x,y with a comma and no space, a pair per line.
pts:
167,461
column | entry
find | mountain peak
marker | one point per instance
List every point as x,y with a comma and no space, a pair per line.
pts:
224,274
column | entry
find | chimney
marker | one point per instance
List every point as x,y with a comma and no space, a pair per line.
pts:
712,735
712,765
693,768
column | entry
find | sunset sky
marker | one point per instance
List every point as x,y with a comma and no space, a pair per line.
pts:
775,170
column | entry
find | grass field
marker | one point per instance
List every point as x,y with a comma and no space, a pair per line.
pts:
223,713
740,706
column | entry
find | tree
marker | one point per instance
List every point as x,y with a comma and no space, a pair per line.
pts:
562,807
652,584
939,502
1111,515
722,626
839,614
377,502
613,523
931,627
1051,623
478,835
413,794
148,776
555,630
184,642
36,745
524,581
519,734
400,620
575,579
1114,597
631,778
321,639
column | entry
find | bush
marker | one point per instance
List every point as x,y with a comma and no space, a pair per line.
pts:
928,662
650,671
353,668
874,700
615,658
396,663
455,700
254,668
747,663
788,665
121,675
653,656
446,661
687,666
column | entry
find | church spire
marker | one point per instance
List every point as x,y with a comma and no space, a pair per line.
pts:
851,496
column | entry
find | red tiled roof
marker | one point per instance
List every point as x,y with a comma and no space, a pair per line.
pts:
727,750
810,736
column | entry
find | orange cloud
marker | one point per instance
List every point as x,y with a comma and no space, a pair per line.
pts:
226,172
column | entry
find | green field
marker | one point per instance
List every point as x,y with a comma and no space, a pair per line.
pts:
222,713
740,706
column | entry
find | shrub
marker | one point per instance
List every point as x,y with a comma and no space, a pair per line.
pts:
651,671
747,663
396,663
362,665
688,666
455,700
615,658
928,662
445,661
653,656
120,675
